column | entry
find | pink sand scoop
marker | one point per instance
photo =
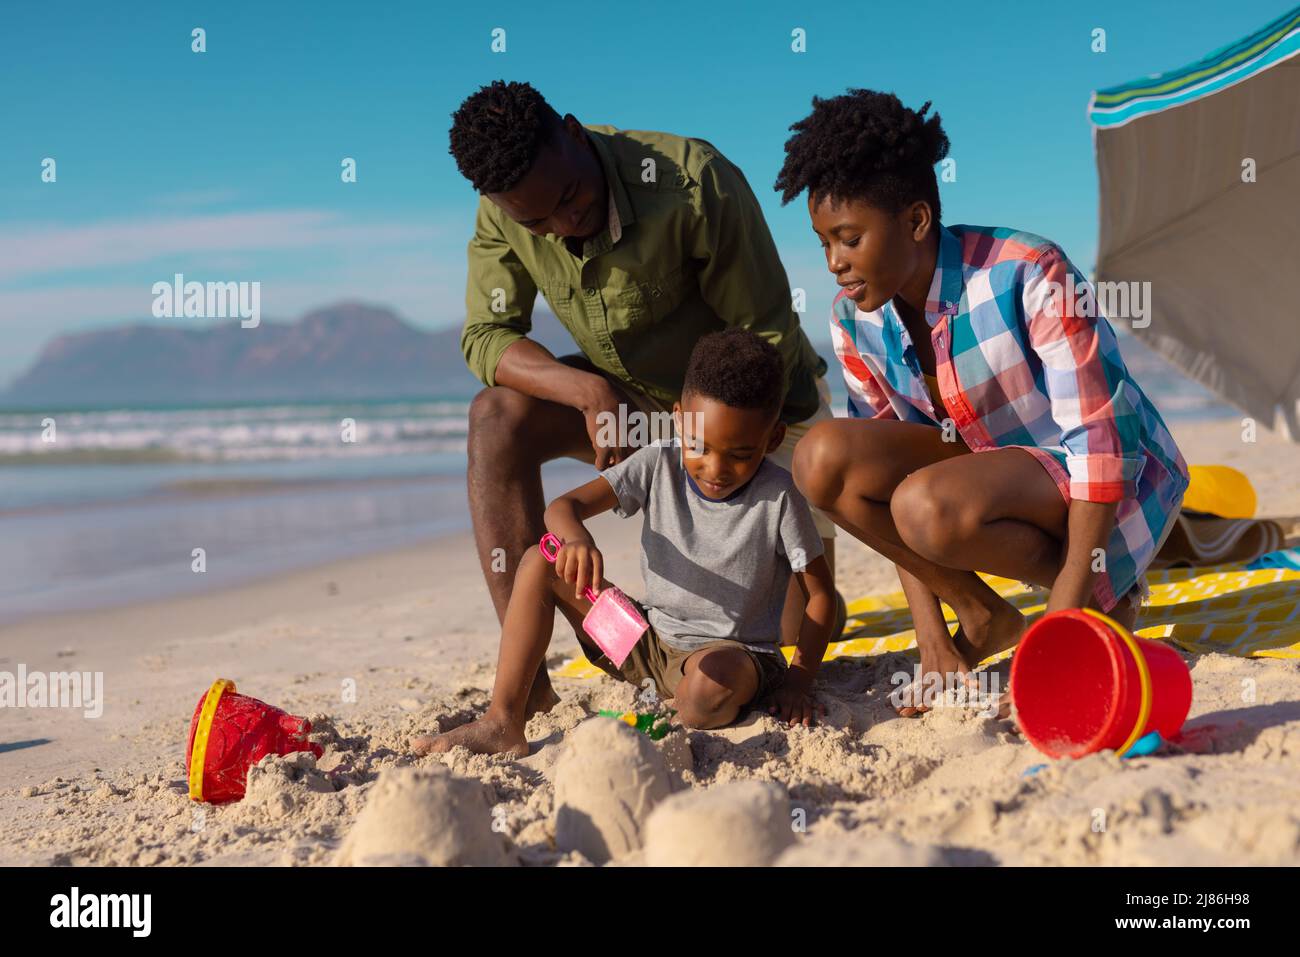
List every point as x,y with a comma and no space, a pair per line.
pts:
613,623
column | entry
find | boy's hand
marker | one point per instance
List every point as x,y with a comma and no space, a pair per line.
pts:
581,564
794,703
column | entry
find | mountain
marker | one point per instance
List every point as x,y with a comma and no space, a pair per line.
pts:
347,350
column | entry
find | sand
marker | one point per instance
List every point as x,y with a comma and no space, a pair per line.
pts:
607,782
737,824
374,653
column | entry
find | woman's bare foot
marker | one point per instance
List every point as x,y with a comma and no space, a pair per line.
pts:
489,734
942,668
985,632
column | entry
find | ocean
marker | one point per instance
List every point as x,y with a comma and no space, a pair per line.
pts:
112,509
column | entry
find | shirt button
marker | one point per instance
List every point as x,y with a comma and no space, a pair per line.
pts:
591,290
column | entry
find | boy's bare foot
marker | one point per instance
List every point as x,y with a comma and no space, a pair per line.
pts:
541,697
489,734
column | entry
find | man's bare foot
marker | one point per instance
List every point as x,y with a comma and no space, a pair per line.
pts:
490,734
541,697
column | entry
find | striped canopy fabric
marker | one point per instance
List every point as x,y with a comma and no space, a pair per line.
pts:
1199,173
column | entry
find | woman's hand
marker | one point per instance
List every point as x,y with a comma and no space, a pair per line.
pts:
1089,527
581,564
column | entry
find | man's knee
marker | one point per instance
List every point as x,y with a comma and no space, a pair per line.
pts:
498,417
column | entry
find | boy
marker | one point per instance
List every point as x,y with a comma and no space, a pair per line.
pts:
724,530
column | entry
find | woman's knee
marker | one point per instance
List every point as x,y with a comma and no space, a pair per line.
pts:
929,516
818,465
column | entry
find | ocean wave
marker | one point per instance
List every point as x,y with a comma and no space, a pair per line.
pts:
235,434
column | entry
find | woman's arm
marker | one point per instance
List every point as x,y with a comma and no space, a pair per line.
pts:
1084,377
1090,525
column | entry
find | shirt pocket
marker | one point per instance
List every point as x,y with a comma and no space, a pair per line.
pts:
648,301
559,296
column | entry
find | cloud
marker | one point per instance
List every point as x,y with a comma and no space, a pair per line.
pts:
42,251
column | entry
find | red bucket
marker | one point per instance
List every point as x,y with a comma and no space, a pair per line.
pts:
231,732
1081,683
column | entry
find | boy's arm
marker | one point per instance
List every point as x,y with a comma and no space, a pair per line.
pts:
565,515
818,587
579,561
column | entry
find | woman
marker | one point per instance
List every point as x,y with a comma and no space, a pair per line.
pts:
959,340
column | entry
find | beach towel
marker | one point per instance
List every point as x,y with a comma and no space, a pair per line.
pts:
1251,612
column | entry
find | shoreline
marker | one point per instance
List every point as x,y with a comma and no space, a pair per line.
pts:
1203,441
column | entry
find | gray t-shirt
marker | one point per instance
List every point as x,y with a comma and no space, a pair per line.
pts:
714,568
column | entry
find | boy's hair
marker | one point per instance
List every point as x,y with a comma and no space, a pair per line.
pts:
865,145
737,368
498,132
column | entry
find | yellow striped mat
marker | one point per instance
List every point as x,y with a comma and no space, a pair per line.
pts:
1227,609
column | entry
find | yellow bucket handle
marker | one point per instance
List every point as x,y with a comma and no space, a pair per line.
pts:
1144,679
199,752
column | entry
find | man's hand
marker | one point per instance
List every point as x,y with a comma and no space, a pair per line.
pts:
603,399
794,703
527,367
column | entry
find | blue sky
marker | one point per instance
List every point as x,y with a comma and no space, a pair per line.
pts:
225,165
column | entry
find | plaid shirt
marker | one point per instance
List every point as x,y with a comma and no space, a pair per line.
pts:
1020,366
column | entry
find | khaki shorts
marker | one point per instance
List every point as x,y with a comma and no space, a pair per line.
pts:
654,659
783,456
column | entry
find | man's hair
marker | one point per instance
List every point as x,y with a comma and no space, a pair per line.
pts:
498,132
865,145
737,368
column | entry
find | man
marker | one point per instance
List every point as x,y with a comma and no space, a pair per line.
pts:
641,243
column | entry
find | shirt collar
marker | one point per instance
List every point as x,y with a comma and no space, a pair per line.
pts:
946,286
944,298
621,214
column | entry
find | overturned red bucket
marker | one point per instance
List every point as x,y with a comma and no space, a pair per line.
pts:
231,732
1082,683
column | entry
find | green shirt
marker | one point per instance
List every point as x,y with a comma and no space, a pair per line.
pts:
691,254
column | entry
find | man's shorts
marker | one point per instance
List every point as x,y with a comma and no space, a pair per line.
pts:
783,456
652,658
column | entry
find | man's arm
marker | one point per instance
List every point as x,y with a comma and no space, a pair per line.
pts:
742,277
499,298
499,308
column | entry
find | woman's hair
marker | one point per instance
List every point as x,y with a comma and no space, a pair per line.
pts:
497,133
737,368
865,145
